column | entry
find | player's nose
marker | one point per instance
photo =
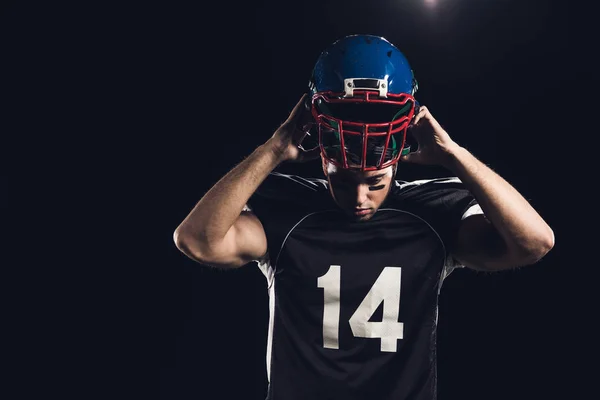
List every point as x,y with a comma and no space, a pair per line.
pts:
361,195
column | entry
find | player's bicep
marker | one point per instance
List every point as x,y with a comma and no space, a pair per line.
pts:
245,241
479,245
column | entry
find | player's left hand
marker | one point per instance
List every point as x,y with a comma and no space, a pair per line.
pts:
434,145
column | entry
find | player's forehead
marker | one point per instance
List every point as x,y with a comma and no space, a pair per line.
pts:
333,170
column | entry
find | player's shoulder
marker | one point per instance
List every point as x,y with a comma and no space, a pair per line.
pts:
438,193
292,188
278,183
405,189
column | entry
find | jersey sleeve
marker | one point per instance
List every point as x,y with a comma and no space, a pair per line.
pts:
280,201
443,203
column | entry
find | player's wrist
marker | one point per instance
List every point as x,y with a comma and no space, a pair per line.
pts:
453,155
276,149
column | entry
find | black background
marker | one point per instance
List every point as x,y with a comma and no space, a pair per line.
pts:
128,112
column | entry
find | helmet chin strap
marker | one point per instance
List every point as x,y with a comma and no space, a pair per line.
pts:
406,148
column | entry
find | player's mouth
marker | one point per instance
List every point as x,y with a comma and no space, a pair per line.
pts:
359,212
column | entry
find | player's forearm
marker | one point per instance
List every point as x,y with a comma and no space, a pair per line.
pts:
518,223
219,208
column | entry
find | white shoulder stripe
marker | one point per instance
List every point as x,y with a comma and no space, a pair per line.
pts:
434,180
473,210
302,183
305,183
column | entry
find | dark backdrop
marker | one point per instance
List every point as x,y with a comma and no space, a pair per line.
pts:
138,108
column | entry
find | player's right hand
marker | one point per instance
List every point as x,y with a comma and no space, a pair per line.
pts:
287,139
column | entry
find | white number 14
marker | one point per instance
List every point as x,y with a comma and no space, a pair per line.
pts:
386,289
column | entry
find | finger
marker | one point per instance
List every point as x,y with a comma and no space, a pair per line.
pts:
308,155
303,130
302,119
305,121
412,132
429,117
297,108
302,135
420,115
414,157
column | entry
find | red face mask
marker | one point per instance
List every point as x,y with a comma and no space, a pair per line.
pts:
364,132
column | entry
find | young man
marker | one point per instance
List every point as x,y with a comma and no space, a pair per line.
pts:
355,262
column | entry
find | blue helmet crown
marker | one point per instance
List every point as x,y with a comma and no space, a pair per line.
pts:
369,57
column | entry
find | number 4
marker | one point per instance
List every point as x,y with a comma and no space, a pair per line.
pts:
386,289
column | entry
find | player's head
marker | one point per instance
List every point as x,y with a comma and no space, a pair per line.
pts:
362,99
359,193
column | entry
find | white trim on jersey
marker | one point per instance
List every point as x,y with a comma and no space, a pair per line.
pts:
473,210
415,215
267,269
304,182
290,231
264,264
449,266
403,184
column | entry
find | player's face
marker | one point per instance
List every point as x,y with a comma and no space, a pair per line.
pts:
359,194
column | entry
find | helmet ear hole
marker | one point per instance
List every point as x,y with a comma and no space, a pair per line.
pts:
322,108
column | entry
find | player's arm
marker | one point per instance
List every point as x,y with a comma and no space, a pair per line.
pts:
243,242
511,233
217,231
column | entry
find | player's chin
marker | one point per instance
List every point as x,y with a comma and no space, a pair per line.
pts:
361,216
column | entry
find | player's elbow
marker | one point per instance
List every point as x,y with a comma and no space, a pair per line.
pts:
190,245
217,255
547,242
535,247
180,239
539,247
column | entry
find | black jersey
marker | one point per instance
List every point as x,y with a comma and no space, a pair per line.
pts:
353,305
